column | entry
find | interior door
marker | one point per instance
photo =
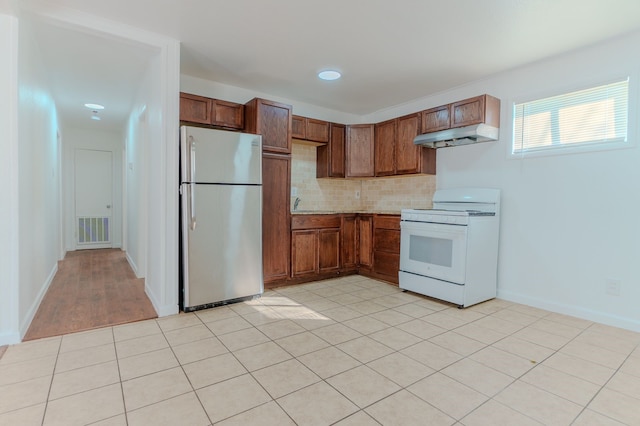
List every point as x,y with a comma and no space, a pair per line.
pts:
94,198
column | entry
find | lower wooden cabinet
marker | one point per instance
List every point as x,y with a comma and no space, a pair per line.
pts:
315,245
365,241
349,243
328,250
304,253
386,247
326,245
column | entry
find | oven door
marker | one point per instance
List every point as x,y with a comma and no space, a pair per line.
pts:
434,250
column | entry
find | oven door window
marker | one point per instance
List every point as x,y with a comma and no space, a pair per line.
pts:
434,250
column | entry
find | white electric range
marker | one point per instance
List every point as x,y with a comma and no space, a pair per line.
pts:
450,252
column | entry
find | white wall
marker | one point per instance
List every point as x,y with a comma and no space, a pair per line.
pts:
569,222
38,180
77,138
135,186
9,323
151,184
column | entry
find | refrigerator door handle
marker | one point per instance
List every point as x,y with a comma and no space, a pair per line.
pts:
191,205
192,159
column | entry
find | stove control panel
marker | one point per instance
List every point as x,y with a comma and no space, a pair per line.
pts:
453,218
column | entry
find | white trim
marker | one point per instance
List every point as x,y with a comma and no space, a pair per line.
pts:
572,310
573,86
26,322
133,265
161,310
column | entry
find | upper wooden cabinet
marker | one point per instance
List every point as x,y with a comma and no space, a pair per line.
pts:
436,119
298,127
330,160
412,158
481,109
272,120
360,151
396,154
309,129
476,110
227,114
212,112
195,109
385,152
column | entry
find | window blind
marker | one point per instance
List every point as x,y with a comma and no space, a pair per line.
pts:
596,115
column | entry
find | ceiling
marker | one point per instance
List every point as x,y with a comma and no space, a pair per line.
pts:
389,52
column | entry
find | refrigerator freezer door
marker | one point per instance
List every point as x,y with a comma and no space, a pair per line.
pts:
218,156
222,254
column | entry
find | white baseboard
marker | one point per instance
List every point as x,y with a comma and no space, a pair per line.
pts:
133,265
26,322
161,310
9,338
572,310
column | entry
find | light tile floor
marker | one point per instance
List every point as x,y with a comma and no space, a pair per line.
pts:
349,351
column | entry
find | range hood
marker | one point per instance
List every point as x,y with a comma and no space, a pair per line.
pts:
458,136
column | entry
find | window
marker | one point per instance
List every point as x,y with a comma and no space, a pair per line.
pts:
587,117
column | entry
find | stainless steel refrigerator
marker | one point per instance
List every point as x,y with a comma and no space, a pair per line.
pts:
221,216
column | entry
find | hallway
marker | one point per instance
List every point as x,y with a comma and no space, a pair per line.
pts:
92,288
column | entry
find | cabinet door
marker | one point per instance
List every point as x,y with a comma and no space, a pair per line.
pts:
349,242
195,109
360,151
385,142
386,265
317,130
365,246
304,252
328,250
408,155
467,112
227,114
298,127
272,120
436,119
276,172
330,158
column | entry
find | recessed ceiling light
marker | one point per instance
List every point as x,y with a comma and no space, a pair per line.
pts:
95,117
94,106
329,75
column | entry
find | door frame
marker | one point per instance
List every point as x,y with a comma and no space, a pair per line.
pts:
113,218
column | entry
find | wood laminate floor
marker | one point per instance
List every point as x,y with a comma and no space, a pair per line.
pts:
92,288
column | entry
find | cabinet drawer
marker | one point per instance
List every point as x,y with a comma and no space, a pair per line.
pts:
386,222
312,221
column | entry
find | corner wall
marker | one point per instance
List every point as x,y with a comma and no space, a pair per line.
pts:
569,222
38,180
9,265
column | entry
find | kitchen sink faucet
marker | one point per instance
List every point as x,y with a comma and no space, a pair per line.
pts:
295,203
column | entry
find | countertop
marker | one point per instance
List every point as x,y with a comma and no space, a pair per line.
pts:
303,212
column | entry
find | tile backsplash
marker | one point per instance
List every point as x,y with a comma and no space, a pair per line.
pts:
376,195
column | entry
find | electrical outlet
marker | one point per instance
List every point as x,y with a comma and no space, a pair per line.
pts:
294,191
357,195
612,287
